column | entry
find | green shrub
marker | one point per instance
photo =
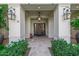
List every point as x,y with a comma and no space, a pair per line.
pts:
2,46
61,48
15,49
75,23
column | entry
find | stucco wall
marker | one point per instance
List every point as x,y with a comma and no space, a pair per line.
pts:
64,25
17,26
27,27
61,26
51,27
21,26
14,25
56,28
22,23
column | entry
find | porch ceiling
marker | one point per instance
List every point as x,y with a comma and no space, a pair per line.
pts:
38,7
43,7
46,7
74,6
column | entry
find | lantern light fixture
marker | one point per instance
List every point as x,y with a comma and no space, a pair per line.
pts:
11,13
39,17
66,13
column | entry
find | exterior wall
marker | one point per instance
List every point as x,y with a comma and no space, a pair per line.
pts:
16,27
63,26
22,23
21,27
56,28
47,27
51,27
27,27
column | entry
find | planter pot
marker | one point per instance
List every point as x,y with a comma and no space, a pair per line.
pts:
1,38
77,37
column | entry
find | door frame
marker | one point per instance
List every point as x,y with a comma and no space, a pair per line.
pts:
44,28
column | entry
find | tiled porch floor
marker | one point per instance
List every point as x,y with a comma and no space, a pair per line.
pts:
39,46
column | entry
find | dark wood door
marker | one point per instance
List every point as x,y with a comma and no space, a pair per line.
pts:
39,29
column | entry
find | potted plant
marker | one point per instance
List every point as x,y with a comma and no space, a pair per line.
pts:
3,24
75,26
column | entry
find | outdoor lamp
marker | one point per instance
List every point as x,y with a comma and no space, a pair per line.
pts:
66,13
39,17
11,13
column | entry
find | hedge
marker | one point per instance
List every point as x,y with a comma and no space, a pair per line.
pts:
61,48
14,49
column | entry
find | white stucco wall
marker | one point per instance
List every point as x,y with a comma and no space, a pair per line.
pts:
51,27
56,28
64,25
27,27
22,23
21,27
17,26
61,26
14,25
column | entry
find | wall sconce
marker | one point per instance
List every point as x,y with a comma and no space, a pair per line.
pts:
11,13
66,13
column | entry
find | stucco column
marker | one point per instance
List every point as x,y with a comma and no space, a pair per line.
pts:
61,26
15,26
50,27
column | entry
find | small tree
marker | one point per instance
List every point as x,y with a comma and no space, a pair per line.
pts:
3,24
3,12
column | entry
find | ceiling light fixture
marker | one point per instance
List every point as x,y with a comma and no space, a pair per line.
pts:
39,7
77,6
39,17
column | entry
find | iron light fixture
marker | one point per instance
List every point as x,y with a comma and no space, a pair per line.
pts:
39,17
11,13
66,13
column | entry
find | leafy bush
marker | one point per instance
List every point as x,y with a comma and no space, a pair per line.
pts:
75,23
15,49
61,48
3,18
2,47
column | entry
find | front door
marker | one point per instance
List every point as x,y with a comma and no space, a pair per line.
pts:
39,29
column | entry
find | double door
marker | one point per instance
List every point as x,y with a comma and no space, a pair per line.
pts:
39,29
